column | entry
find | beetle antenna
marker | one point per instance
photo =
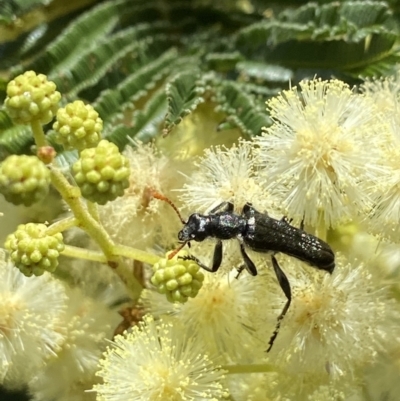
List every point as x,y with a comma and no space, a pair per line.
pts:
173,253
162,197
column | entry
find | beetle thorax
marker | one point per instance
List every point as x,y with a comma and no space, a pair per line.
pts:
227,226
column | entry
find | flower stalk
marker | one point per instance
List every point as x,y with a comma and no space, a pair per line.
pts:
62,225
71,195
38,133
85,254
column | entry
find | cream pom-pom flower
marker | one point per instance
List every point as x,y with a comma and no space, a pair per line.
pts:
225,175
336,323
317,157
157,361
30,314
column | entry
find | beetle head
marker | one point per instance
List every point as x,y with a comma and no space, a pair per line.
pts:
194,229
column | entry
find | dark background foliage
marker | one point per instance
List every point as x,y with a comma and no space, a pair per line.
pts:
146,65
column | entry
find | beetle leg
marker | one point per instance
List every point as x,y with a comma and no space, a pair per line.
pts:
216,261
228,205
248,207
289,221
286,220
284,283
248,211
240,270
217,257
248,263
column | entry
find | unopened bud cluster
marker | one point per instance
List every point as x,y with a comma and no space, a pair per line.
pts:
32,250
102,173
177,278
31,97
78,126
24,179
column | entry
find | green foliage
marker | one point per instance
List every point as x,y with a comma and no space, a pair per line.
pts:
145,124
85,33
113,101
184,94
13,139
145,66
339,36
9,9
240,109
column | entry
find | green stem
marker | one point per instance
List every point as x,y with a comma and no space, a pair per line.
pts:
38,133
93,210
62,225
72,195
136,254
123,270
239,369
86,254
87,219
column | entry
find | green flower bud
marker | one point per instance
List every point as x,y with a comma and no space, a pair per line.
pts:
31,97
178,279
24,179
102,173
32,250
78,126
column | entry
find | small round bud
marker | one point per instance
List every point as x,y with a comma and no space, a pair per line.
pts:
78,126
177,278
102,173
32,250
24,179
31,97
46,154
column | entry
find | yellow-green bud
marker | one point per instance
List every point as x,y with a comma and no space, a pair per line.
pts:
102,173
24,179
178,279
78,126
32,250
31,97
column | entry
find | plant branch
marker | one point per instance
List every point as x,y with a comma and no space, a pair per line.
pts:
38,133
62,225
72,195
86,254
136,254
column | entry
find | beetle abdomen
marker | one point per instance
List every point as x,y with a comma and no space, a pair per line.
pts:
267,234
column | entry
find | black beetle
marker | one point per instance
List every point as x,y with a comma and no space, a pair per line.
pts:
259,232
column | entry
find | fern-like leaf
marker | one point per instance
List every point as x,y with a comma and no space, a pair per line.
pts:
241,109
14,139
184,94
112,102
81,36
385,66
135,60
263,72
335,35
145,125
89,67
